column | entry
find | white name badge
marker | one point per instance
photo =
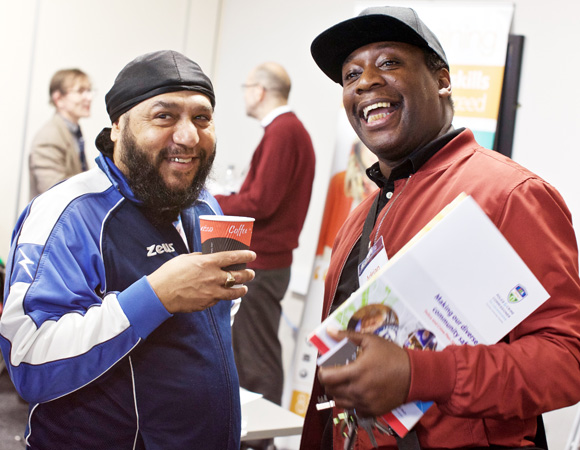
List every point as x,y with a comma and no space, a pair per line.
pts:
375,259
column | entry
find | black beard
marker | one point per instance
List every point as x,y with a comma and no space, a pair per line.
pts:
161,204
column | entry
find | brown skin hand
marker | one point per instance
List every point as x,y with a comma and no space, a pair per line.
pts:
376,382
195,282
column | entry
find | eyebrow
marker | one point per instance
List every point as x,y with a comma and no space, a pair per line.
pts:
164,104
173,105
383,45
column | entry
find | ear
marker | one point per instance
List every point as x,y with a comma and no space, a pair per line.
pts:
444,80
116,130
260,93
56,96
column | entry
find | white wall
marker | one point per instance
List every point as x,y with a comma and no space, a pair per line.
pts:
100,36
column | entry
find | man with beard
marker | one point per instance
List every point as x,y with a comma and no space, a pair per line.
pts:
115,329
396,91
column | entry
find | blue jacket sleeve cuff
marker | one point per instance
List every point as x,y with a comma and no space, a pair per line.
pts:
142,307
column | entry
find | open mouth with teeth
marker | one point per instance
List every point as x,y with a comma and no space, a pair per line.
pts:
181,160
377,111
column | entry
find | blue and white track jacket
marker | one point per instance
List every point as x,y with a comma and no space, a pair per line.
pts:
88,343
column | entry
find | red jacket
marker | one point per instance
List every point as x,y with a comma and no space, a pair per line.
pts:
276,191
483,395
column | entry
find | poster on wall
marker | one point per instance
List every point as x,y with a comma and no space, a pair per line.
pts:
475,39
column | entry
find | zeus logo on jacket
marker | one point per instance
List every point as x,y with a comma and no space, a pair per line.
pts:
155,250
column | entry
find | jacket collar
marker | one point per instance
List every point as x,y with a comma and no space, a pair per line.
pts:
414,161
116,177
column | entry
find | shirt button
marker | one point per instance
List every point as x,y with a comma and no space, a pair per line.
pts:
389,195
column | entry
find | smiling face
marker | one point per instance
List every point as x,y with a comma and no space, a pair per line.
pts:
74,102
394,102
165,146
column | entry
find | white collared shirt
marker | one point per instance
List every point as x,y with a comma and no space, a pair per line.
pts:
267,120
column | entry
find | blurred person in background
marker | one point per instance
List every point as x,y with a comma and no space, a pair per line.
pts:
276,192
58,148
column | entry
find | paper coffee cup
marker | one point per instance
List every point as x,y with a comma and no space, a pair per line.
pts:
223,233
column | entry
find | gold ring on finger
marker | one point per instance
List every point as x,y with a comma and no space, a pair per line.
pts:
230,281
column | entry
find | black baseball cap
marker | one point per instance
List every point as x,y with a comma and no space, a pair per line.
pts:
375,24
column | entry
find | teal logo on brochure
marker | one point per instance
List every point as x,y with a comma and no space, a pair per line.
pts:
517,294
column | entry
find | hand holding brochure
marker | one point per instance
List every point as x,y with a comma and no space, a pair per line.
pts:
458,281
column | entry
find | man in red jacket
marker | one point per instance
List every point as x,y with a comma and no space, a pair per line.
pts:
397,96
276,192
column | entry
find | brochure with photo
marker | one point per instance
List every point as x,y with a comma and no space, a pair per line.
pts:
457,282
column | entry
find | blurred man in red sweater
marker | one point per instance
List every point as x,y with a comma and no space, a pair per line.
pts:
276,192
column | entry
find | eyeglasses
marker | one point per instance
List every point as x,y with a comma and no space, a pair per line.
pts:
81,91
245,86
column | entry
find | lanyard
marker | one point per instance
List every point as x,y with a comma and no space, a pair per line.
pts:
367,228
370,221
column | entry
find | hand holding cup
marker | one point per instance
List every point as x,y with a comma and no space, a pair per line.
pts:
194,282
